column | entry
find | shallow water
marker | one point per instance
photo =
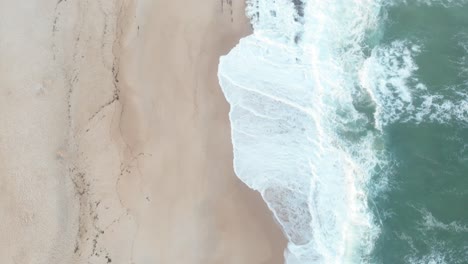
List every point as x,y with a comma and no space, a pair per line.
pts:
351,118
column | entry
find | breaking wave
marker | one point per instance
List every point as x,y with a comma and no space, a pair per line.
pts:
310,98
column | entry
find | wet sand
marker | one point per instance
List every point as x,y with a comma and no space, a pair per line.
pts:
115,139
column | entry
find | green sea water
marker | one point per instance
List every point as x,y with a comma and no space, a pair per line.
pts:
350,117
423,212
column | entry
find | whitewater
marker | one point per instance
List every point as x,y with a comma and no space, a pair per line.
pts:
311,92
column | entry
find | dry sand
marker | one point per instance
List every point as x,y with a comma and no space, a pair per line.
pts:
114,136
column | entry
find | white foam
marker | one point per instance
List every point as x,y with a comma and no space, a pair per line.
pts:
297,137
436,108
432,258
431,223
439,253
388,75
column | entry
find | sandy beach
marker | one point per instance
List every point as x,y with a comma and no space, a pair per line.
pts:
115,140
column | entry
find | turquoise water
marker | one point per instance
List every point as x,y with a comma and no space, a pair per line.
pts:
350,117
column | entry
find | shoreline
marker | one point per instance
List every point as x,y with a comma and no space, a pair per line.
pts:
116,145
220,212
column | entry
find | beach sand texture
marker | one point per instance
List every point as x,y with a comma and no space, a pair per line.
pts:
115,140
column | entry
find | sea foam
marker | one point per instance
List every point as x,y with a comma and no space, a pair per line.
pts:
388,76
297,136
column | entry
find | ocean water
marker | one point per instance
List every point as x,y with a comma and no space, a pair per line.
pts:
350,117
